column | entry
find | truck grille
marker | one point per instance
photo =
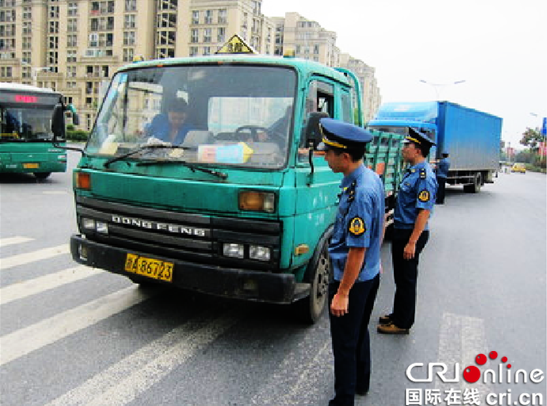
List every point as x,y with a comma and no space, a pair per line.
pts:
184,236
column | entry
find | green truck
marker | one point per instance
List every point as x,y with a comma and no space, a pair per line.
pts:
244,206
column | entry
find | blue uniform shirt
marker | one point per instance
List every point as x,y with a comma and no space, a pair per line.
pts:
418,190
359,223
159,128
442,168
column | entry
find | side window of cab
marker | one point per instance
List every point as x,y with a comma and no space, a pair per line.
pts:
319,98
346,106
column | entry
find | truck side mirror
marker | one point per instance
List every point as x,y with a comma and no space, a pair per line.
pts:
313,132
58,122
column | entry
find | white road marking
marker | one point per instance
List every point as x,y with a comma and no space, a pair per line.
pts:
461,339
311,375
4,242
124,381
24,341
302,381
23,259
42,284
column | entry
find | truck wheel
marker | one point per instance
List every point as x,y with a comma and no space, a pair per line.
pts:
41,175
475,187
311,308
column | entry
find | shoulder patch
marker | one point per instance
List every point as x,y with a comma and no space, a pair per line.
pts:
423,173
424,196
357,226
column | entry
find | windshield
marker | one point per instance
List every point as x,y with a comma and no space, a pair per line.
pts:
26,124
219,114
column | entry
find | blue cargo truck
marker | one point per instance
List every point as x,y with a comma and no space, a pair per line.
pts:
471,137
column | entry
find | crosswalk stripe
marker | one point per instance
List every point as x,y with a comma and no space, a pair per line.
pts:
24,341
4,242
42,284
461,339
310,380
22,259
124,381
300,379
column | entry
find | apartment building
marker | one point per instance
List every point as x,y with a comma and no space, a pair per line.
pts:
371,92
75,46
311,41
306,38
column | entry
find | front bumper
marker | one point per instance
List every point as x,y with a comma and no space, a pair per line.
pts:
259,286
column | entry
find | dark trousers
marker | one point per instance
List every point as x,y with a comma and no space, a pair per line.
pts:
351,341
440,190
405,273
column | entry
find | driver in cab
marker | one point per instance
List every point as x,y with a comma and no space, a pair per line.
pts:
173,126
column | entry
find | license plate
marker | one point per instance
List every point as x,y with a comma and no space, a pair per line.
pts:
31,166
151,268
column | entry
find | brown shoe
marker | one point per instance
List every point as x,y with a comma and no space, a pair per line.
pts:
391,328
386,319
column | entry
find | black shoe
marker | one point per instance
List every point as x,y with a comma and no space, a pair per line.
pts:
386,319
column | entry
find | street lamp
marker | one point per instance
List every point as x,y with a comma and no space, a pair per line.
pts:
437,85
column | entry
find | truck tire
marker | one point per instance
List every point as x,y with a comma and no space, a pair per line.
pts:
474,187
311,308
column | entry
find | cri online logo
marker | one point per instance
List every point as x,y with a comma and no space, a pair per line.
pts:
472,374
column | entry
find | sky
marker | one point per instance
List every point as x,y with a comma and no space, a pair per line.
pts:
497,47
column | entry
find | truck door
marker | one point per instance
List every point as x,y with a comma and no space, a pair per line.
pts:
316,193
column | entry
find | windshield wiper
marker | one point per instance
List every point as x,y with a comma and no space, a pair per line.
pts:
191,166
139,149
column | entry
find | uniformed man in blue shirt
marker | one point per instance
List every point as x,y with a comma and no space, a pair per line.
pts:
414,205
442,173
355,255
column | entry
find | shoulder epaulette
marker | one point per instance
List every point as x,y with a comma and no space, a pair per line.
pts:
423,173
351,191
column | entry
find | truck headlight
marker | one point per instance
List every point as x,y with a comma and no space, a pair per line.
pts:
259,253
101,227
257,201
233,250
88,224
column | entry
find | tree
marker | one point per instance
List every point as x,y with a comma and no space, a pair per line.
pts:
531,138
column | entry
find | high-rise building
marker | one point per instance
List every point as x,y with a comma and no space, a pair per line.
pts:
369,86
76,46
310,41
306,38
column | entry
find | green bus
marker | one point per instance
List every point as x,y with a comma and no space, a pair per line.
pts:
25,132
244,206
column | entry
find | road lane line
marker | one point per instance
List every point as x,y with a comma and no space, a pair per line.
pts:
461,339
42,284
26,340
310,379
22,259
303,381
4,242
124,381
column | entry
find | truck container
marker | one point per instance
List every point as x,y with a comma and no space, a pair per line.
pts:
471,137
